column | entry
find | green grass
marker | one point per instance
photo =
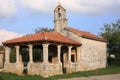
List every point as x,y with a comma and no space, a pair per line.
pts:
9,76
105,71
108,70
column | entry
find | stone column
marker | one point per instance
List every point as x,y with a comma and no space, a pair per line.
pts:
7,53
45,53
30,53
17,53
59,51
78,54
69,53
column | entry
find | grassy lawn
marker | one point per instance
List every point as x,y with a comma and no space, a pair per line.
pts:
108,70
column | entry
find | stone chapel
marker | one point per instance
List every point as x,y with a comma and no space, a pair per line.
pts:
64,50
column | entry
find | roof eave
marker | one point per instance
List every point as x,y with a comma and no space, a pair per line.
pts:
40,42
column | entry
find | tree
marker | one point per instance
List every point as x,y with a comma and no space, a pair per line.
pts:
1,48
13,55
111,32
45,29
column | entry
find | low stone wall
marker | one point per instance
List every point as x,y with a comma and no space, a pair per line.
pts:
1,60
72,67
44,69
16,68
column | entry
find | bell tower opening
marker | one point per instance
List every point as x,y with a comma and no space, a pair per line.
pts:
60,21
59,13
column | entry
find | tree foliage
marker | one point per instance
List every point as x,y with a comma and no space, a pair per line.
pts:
1,48
25,54
13,55
111,32
43,29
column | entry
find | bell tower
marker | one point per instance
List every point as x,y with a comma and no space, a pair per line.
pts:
60,21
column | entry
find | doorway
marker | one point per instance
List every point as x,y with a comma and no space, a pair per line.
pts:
63,58
63,63
25,58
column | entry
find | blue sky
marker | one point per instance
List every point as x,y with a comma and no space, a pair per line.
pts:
19,17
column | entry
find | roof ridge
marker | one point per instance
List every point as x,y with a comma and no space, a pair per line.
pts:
79,30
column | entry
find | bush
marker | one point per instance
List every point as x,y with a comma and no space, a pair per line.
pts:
113,61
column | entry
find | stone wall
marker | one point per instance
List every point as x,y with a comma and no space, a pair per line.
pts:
92,55
72,67
44,69
16,68
1,60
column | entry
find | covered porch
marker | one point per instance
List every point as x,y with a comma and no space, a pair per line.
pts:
53,57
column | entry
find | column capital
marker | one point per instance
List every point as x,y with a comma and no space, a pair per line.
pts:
6,47
78,48
30,45
45,45
59,46
70,47
17,46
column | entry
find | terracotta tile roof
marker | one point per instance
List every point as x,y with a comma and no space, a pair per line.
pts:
2,51
43,36
86,34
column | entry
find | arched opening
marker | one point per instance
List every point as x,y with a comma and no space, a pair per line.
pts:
24,53
38,53
63,57
52,55
74,54
12,55
59,13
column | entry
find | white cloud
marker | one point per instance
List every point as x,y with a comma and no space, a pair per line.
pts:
79,6
7,8
10,7
39,5
6,35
